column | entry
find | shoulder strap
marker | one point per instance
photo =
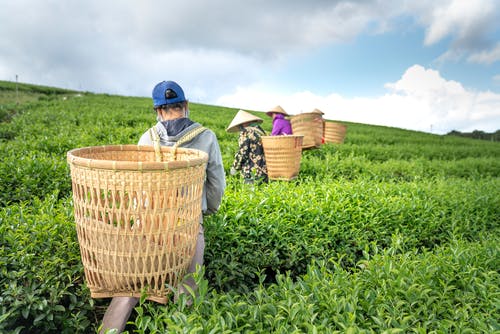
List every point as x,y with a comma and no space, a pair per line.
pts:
187,137
190,135
261,130
155,139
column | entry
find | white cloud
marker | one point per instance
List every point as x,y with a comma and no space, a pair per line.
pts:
487,56
213,47
265,30
421,100
467,27
466,21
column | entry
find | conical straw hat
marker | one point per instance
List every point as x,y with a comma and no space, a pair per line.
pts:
242,117
317,111
278,110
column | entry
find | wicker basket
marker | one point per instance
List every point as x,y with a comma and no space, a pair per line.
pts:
318,124
309,125
137,219
283,154
335,132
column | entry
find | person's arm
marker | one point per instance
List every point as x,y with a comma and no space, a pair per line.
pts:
276,130
216,178
278,127
242,153
145,139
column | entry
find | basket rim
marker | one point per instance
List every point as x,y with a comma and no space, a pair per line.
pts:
335,123
199,157
282,137
305,114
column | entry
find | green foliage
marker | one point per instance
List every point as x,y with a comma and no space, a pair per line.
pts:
41,272
290,224
477,134
27,174
392,231
453,289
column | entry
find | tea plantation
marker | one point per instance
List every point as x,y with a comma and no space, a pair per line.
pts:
394,231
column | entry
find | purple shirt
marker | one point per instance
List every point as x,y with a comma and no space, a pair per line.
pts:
281,126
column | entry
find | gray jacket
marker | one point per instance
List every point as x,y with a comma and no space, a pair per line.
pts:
206,141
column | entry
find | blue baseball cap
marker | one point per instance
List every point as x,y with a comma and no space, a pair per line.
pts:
167,92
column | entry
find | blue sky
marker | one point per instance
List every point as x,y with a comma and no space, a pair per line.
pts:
360,67
427,65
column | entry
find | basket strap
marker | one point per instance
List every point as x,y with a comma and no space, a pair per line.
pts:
187,137
261,130
155,139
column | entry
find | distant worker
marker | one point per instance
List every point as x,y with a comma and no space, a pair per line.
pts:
319,114
249,159
281,125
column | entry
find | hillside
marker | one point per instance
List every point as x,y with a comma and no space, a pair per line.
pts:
477,134
392,231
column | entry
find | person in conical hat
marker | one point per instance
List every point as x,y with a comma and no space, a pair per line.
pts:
281,125
249,160
242,117
317,111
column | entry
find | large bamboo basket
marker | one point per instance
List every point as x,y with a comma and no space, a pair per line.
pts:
310,126
335,132
318,123
283,154
137,220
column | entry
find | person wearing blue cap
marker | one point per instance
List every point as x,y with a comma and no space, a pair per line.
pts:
174,127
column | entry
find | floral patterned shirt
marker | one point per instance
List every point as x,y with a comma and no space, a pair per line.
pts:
250,159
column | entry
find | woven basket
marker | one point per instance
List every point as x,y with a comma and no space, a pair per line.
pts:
137,219
335,132
318,123
310,126
283,154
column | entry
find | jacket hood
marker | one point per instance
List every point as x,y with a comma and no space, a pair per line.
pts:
171,131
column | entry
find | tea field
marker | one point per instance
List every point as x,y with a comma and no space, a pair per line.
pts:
394,231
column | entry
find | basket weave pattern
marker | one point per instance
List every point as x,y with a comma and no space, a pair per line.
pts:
137,220
318,124
307,125
335,132
283,154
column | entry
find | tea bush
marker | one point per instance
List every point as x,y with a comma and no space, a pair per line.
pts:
452,289
270,230
41,272
29,174
392,231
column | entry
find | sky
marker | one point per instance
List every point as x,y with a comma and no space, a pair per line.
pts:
426,65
